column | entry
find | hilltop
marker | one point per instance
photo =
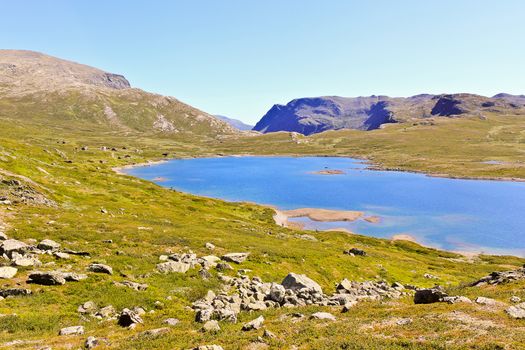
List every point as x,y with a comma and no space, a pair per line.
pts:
238,124
313,115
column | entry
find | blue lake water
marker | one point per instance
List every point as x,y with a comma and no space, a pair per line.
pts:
452,214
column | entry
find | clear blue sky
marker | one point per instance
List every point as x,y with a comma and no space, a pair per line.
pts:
239,57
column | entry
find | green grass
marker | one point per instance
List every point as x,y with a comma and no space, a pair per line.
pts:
145,221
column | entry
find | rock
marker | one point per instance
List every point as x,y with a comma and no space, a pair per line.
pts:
456,299
24,261
74,330
277,293
48,244
516,311
154,332
75,252
208,347
8,272
49,278
133,285
268,335
87,307
237,258
10,246
430,295
500,277
209,246
100,268
12,292
211,326
128,318
355,251
171,322
223,266
254,324
173,266
515,299
3,236
430,276
204,274
209,261
486,301
92,342
349,305
61,255
295,282
73,276
323,316
106,312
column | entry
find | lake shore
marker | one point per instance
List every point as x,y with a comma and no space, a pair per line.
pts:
120,169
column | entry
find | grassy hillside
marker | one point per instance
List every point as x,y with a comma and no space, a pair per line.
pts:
91,204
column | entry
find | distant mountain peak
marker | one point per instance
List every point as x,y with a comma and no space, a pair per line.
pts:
238,124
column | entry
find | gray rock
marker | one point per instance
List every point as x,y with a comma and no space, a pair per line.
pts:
211,326
237,258
295,282
516,311
500,277
268,335
100,268
24,260
13,292
74,330
49,278
430,295
430,276
73,276
456,299
208,347
10,246
8,272
173,266
87,307
171,322
3,236
133,285
355,251
323,316
106,312
515,299
223,266
92,342
253,324
128,318
61,255
209,246
486,301
154,332
48,244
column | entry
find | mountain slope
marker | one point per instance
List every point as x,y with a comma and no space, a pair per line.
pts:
238,124
68,92
312,115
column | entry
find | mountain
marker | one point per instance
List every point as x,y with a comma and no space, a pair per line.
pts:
235,123
518,100
313,115
42,88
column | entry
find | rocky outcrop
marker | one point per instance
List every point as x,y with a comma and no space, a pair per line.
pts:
430,295
500,277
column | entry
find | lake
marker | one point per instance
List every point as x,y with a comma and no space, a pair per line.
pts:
452,214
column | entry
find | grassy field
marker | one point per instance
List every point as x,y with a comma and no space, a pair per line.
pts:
144,221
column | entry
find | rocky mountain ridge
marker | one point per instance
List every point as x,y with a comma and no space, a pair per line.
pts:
313,115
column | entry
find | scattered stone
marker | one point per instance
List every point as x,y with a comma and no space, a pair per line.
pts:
74,330
75,252
106,312
208,347
349,305
456,299
173,266
355,251
268,335
61,255
12,292
171,322
430,295
92,342
486,301
500,277
8,272
154,332
128,318
100,268
211,326
48,244
254,324
210,246
223,266
515,299
516,311
73,276
24,260
237,258
87,307
403,321
49,278
10,246
294,281
133,285
108,241
430,276
323,316
3,236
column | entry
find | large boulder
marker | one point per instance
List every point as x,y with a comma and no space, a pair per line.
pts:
253,324
74,330
429,296
129,318
100,268
13,292
295,282
48,278
48,244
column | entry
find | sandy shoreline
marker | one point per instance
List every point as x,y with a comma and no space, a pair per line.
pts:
324,215
120,169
